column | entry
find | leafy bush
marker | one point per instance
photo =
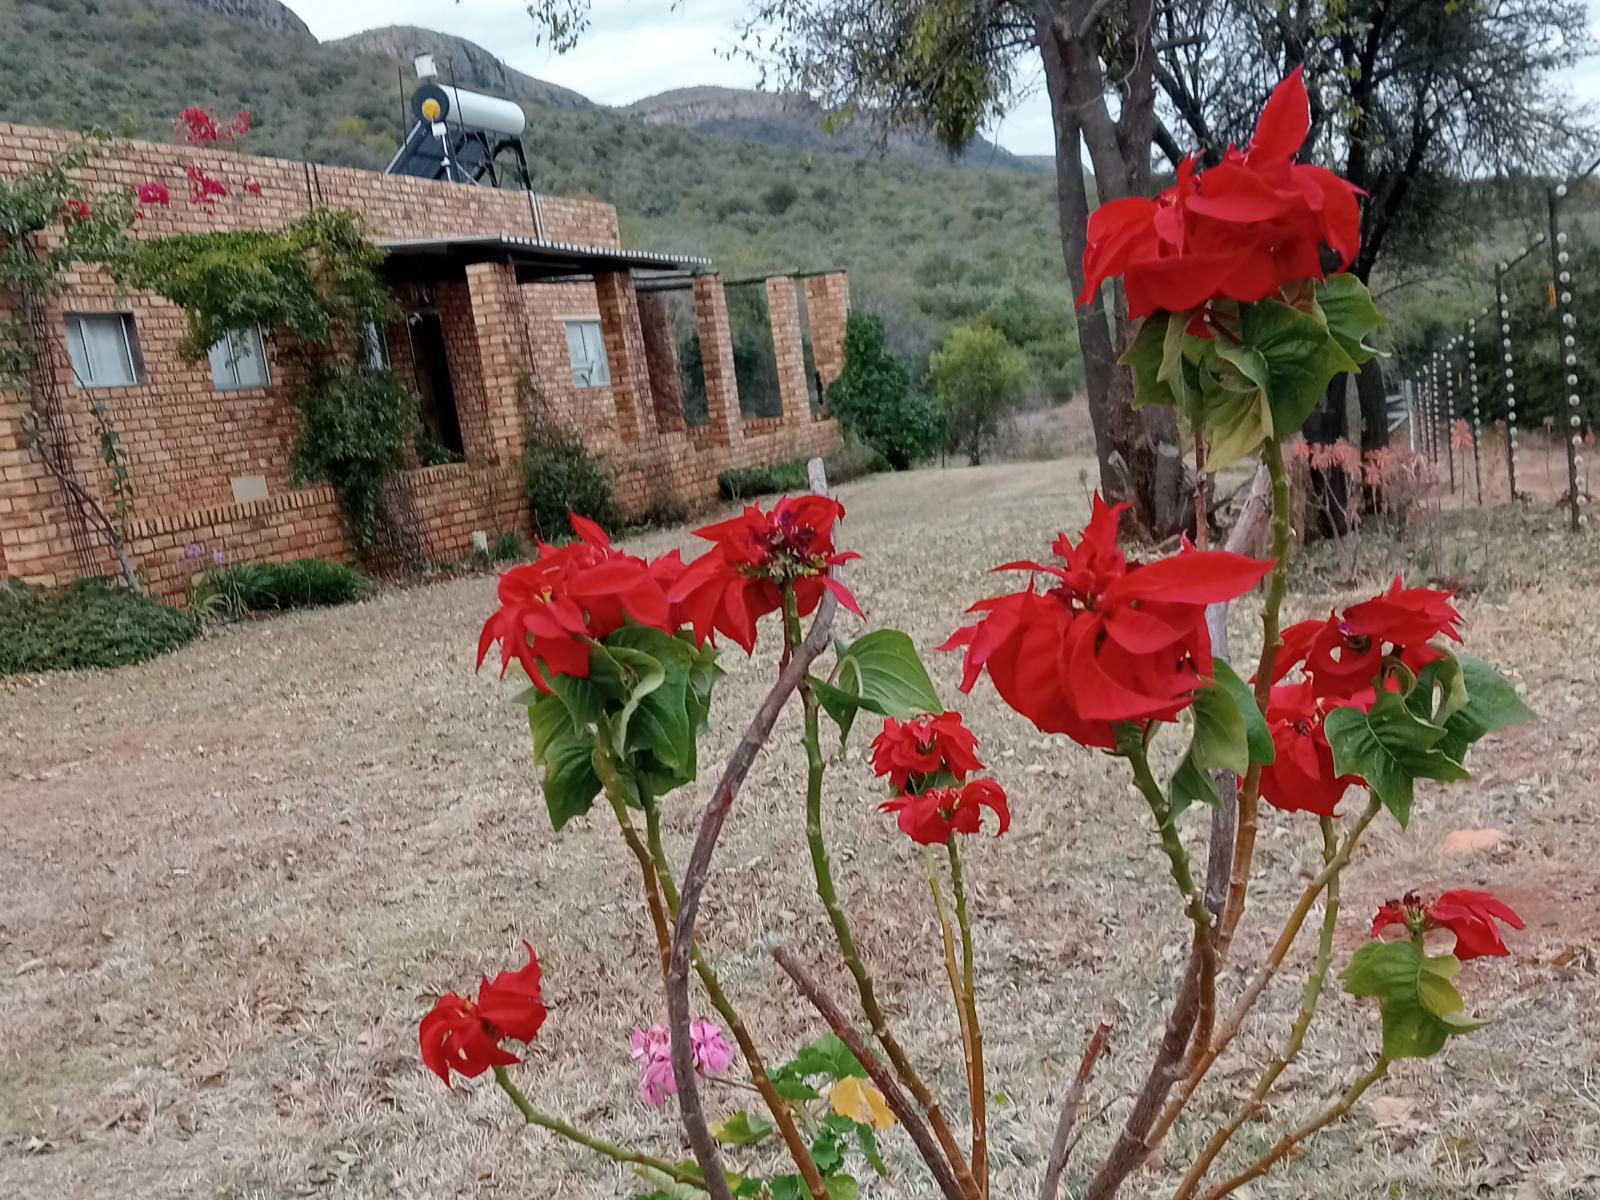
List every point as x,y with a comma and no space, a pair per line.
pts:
562,478
850,461
88,625
979,378
874,400
356,428
279,586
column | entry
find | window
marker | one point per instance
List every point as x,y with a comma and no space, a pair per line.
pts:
104,350
377,346
586,345
240,361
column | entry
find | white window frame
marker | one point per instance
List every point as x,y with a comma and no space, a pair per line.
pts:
86,371
591,365
236,348
376,341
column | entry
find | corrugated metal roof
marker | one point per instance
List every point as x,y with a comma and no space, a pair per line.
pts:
540,256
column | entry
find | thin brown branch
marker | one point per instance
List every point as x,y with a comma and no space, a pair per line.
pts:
893,1094
1061,1145
1289,1141
694,884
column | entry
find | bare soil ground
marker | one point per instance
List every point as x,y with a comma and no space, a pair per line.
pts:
231,880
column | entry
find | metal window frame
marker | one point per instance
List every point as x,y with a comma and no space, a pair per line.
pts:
258,348
76,324
590,364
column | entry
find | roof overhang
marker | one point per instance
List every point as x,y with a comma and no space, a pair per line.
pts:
432,260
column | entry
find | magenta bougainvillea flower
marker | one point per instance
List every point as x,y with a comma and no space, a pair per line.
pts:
152,191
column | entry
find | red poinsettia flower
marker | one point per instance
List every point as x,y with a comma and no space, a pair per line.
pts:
75,209
1301,777
930,817
754,557
1111,640
552,608
464,1036
1344,655
154,192
1241,230
923,747
1470,915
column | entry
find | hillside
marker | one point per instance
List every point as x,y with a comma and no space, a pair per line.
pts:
925,246
459,61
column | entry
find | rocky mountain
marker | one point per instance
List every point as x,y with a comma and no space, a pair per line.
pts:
267,14
797,122
458,60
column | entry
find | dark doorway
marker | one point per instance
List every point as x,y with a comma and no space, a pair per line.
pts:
436,396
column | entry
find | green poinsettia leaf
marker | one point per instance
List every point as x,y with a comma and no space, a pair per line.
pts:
1146,355
1390,747
1301,358
1351,315
1492,703
1235,423
882,673
656,727
1416,996
566,755
1258,736
1221,741
1190,785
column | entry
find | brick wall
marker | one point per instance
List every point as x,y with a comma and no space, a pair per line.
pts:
190,445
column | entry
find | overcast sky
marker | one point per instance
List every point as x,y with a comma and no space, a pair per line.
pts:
639,47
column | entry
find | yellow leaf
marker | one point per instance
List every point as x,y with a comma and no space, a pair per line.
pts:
862,1103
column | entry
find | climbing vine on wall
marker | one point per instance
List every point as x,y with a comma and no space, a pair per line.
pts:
49,222
313,289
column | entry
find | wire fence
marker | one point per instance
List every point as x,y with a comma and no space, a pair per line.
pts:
1527,360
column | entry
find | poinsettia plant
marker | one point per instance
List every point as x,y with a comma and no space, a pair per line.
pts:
1110,649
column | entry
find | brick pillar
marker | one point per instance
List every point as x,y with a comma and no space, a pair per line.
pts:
788,347
625,351
716,357
828,306
661,358
501,330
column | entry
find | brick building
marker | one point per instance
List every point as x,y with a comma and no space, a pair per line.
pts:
496,287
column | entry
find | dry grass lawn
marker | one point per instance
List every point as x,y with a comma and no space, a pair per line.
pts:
231,880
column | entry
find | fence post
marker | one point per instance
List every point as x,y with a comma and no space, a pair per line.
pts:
1566,342
1450,407
1477,412
1503,303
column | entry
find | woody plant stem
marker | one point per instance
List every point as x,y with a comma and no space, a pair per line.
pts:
615,1153
822,869
661,897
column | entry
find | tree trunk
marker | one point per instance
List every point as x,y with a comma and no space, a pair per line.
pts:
1140,459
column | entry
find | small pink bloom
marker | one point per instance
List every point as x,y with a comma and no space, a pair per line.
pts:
154,192
657,1083
654,1042
712,1054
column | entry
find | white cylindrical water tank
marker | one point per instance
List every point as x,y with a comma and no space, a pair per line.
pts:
465,109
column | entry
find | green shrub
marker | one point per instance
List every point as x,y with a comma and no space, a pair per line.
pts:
278,586
356,425
89,625
851,461
562,478
509,547
742,483
979,378
874,400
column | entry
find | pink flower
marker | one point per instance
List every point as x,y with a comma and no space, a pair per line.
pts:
153,192
203,189
657,1082
712,1054
652,1048
76,210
